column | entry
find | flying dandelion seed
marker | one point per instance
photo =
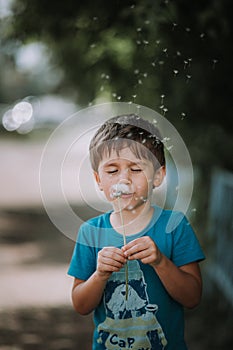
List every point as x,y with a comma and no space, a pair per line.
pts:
188,78
162,98
183,115
174,25
214,63
185,64
161,107
175,71
189,60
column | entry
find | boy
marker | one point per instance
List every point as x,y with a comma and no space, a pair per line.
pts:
137,288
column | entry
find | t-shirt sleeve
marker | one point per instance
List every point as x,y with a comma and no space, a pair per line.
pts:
186,247
83,261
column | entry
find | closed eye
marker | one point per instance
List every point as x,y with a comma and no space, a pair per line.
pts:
112,171
136,170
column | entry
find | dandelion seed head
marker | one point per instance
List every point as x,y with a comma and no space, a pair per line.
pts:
119,189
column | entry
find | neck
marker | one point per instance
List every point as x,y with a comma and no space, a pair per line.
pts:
134,220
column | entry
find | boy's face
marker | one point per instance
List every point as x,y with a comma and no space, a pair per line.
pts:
125,168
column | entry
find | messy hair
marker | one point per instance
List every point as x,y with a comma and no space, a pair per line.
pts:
141,136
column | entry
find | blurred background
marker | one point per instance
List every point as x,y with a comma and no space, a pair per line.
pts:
58,57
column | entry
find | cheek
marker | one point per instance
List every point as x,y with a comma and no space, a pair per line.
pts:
107,182
144,185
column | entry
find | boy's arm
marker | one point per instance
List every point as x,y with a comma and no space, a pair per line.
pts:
183,283
86,295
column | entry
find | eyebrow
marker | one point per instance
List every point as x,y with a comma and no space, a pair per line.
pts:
114,163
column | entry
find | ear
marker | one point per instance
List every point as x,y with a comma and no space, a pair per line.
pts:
97,179
159,176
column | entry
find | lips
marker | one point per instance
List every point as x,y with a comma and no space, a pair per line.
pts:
120,190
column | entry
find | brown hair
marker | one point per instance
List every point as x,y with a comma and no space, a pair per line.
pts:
141,136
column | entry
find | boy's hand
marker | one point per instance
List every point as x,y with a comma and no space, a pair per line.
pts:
144,249
110,259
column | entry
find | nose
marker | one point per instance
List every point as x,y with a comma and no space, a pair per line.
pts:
124,176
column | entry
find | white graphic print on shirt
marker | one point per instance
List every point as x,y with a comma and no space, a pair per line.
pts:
131,323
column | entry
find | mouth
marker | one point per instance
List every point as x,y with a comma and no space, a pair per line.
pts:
126,195
121,190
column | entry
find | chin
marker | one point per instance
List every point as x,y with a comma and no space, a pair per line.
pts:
137,205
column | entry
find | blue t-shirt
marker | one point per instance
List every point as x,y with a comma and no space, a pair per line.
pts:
149,319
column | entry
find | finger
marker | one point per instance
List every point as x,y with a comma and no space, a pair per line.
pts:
112,262
131,244
146,241
136,249
139,255
112,255
107,268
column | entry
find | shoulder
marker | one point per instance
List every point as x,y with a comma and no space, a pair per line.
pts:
97,221
90,231
169,220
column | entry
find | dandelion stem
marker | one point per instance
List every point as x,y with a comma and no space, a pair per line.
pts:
124,239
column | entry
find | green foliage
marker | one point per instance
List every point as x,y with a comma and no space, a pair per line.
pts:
139,50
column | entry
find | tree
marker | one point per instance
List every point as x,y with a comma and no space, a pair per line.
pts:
174,57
